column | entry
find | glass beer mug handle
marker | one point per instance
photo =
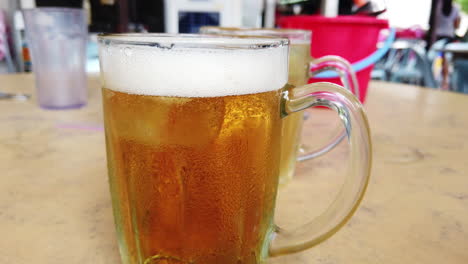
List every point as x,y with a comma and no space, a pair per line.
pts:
342,67
349,81
355,122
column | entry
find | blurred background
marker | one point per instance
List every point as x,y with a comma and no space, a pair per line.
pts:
429,47
54,196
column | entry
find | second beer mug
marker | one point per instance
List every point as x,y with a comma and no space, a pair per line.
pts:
193,134
301,67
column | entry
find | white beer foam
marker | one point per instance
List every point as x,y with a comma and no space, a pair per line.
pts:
192,72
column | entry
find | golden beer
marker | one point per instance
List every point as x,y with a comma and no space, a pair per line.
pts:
193,178
299,56
299,59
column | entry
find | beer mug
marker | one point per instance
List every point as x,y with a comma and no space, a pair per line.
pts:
301,67
193,135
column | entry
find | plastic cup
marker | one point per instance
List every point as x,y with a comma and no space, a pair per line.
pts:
57,41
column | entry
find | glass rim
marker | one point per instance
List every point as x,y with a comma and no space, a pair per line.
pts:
293,35
207,41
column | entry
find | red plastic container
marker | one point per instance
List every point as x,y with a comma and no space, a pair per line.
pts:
351,37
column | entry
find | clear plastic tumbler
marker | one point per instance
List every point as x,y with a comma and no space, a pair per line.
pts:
57,40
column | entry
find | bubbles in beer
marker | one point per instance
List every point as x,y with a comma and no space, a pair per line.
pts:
193,177
165,260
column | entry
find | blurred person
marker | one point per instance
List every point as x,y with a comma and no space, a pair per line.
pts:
444,21
447,20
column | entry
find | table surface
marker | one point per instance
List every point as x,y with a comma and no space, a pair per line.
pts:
55,205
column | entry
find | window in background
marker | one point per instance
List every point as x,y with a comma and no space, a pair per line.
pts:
190,22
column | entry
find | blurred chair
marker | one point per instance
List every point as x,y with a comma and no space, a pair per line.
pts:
6,56
18,41
4,45
456,55
459,80
406,62
382,68
414,68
